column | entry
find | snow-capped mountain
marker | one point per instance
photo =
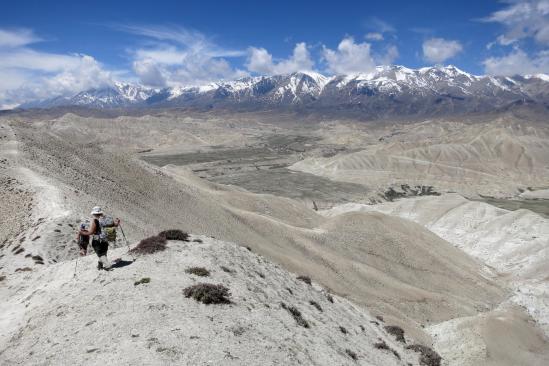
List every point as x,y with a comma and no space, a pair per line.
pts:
386,91
114,96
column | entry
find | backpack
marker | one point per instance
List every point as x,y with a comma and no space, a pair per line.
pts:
107,228
83,240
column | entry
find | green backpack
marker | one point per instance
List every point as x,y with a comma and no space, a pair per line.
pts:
108,228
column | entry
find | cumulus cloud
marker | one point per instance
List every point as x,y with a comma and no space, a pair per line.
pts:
438,50
523,19
517,62
351,57
261,61
29,74
374,36
179,56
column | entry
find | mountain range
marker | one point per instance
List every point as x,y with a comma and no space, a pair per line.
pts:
387,91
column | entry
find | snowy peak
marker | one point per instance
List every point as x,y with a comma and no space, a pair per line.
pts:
386,90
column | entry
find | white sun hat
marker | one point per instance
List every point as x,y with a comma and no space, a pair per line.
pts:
97,211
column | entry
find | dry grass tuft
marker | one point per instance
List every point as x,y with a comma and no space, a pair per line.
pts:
174,234
296,314
428,357
143,280
316,305
198,271
351,354
208,293
150,245
305,279
398,332
382,345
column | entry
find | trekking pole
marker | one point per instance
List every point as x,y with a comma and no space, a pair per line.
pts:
127,243
75,265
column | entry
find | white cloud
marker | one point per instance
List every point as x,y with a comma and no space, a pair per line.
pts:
438,50
379,25
178,56
17,37
517,63
149,73
374,36
351,57
28,74
523,19
261,61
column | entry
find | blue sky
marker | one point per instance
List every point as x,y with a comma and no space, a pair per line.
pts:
62,47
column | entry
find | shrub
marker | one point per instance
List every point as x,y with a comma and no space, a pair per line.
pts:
174,234
24,269
382,345
398,332
305,279
296,314
316,305
2,278
208,293
351,354
380,318
343,330
150,245
428,356
197,241
330,298
228,270
198,271
143,280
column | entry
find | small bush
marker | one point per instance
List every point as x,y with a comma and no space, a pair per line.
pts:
197,241
228,270
150,245
330,298
24,269
343,330
208,293
174,234
380,318
316,305
351,354
2,278
382,345
198,271
37,258
296,314
143,280
305,279
19,251
398,332
428,357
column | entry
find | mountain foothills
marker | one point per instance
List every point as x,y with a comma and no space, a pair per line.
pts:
388,91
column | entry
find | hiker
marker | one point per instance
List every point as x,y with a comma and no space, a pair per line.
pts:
83,240
100,229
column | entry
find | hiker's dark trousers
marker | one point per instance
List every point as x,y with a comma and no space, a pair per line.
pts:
100,247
